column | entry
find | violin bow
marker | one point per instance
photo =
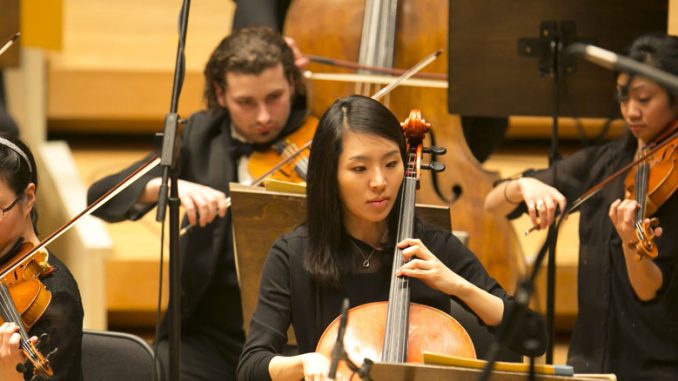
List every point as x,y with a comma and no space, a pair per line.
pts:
596,188
377,69
9,43
114,191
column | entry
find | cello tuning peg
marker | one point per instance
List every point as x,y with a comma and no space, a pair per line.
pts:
434,166
435,150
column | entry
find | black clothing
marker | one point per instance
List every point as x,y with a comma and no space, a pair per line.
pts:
62,322
289,295
210,295
270,13
615,331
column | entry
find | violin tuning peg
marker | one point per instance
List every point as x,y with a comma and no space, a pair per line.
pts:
43,340
435,150
50,354
23,367
434,166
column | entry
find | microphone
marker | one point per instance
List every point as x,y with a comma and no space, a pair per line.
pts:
338,350
613,61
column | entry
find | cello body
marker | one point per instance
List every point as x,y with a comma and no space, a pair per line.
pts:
367,340
333,28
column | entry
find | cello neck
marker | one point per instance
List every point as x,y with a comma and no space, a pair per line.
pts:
395,337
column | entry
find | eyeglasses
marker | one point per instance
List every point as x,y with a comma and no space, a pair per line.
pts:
10,206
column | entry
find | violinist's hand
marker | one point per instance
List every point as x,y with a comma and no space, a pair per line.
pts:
300,60
623,217
541,200
201,203
10,353
425,266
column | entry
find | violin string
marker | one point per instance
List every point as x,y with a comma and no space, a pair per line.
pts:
10,314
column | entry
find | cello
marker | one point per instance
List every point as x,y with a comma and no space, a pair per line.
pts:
398,33
399,331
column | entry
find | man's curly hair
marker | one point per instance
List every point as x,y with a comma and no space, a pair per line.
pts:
249,51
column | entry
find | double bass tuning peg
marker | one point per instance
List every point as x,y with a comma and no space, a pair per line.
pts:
434,166
435,150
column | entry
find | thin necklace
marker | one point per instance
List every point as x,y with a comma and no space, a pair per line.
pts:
366,258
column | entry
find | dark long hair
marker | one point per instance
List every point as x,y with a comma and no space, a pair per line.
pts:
17,167
327,234
249,51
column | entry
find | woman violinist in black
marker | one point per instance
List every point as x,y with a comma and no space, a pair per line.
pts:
625,324
62,320
345,247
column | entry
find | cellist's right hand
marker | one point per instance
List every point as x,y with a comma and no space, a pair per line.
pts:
10,353
201,203
311,366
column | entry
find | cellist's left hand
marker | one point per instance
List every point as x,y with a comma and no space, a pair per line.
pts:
425,266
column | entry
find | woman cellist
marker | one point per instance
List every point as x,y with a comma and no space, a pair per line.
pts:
355,172
62,320
624,324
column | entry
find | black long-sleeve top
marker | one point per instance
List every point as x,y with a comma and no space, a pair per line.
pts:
289,295
615,331
62,322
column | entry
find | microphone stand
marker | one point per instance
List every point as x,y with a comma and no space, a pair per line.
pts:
338,351
168,163
548,49
508,328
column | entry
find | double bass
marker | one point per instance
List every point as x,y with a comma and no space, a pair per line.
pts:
395,33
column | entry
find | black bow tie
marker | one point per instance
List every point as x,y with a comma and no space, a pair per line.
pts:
240,148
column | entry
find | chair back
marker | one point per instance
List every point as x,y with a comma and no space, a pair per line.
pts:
115,356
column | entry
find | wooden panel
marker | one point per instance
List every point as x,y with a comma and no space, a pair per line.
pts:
113,95
9,24
673,17
42,23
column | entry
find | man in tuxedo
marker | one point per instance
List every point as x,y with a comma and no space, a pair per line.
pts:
254,96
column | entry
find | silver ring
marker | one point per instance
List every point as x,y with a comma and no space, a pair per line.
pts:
540,205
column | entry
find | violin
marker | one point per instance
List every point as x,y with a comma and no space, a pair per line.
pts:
399,331
651,183
23,300
293,170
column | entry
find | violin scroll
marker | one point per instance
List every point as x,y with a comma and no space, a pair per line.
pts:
645,246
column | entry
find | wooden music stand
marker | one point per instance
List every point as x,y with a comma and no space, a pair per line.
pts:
260,216
421,372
